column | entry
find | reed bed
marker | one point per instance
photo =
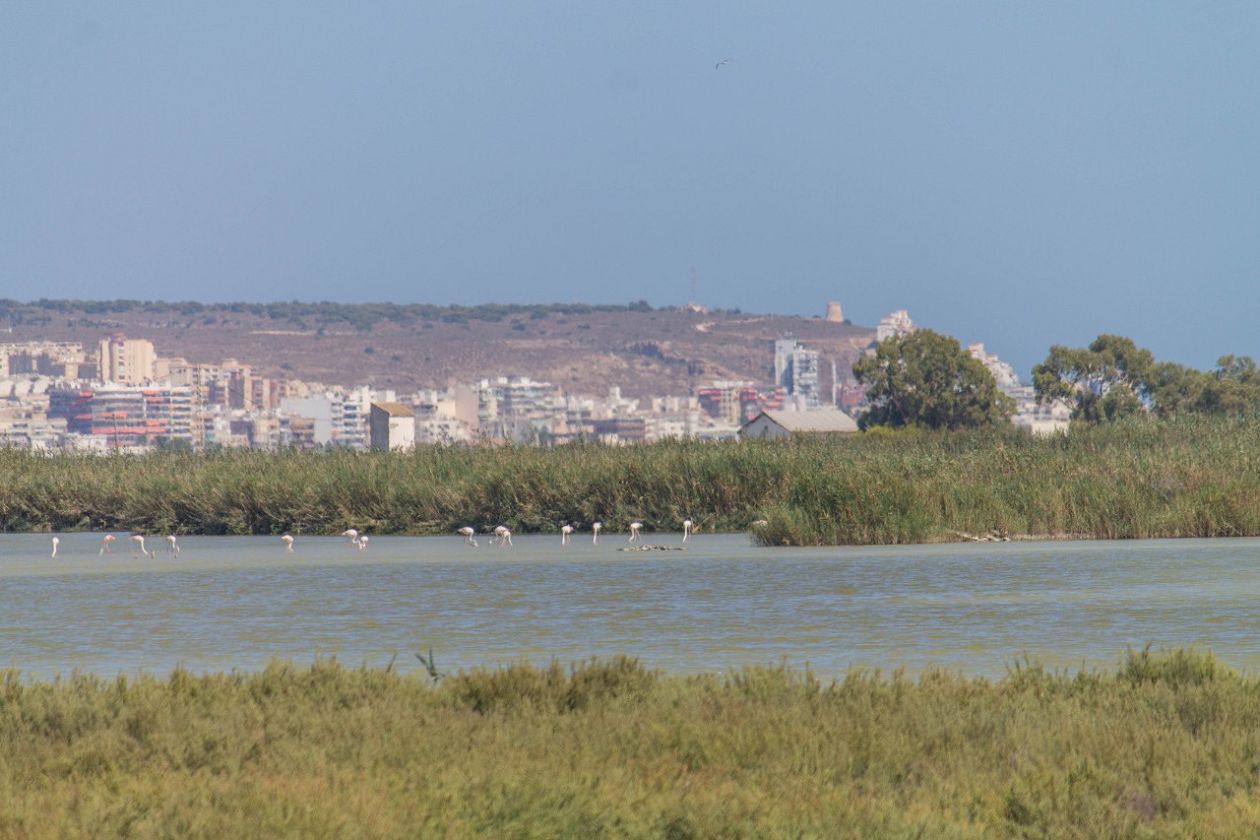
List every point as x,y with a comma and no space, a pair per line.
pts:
1167,745
1140,478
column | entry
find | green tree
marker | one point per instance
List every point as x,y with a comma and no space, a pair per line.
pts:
927,379
1108,379
1176,389
1233,388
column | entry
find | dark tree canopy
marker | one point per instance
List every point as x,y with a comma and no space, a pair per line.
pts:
927,379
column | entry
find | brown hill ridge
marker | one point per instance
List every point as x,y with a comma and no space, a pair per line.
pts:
582,348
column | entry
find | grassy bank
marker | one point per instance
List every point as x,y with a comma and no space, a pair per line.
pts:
1166,745
1135,479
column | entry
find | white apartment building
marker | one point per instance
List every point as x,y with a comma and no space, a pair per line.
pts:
895,323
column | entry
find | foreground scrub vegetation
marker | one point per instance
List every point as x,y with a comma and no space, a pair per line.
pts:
1137,478
1166,745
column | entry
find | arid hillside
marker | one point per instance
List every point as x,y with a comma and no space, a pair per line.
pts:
582,348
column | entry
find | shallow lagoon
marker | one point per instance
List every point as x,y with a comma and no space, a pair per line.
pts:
236,602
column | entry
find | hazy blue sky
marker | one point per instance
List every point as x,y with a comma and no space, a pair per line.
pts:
1020,173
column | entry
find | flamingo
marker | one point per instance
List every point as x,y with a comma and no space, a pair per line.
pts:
470,536
688,527
351,534
635,528
502,535
107,542
172,545
595,526
566,534
56,541
287,539
363,542
137,543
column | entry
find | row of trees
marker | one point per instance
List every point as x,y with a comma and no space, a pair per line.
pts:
360,316
927,379
1113,378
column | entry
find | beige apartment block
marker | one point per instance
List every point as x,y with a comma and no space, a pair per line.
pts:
125,361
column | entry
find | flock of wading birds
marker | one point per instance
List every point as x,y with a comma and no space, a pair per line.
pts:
502,535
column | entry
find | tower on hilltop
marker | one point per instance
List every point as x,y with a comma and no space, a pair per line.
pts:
692,305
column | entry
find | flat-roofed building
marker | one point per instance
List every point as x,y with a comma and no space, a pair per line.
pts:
127,361
393,426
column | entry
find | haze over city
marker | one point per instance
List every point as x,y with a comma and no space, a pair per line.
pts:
1021,175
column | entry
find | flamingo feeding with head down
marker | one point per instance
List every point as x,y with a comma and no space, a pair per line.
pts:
688,527
635,528
566,534
137,543
56,541
107,542
352,535
287,539
469,534
502,535
595,526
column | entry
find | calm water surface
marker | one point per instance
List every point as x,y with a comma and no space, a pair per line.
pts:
236,602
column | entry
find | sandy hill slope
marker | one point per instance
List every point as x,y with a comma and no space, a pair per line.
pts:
584,349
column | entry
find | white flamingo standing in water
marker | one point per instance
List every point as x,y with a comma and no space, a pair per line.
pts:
172,545
595,526
502,535
635,528
107,542
688,528
287,539
56,541
363,542
469,534
137,542
352,535
566,534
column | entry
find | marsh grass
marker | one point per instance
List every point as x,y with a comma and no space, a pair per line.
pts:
1141,478
1166,745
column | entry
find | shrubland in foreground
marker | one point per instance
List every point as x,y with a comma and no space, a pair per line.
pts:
1168,745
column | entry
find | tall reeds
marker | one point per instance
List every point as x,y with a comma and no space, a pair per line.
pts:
1142,478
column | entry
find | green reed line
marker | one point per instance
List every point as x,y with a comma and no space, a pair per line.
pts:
1141,478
